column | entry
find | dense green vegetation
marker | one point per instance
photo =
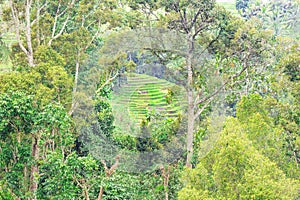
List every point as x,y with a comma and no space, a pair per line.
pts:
179,99
143,95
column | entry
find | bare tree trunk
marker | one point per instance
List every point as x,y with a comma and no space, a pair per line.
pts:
15,15
108,173
79,53
28,34
84,186
34,167
247,83
100,193
190,103
38,22
75,84
59,14
86,194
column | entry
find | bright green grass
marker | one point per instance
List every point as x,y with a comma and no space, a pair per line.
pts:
146,99
8,39
142,95
229,6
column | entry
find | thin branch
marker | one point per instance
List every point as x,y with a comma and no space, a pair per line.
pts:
78,183
93,22
107,82
28,27
17,26
210,43
108,172
63,12
198,113
222,86
195,19
39,11
60,32
182,20
55,20
111,170
53,37
93,38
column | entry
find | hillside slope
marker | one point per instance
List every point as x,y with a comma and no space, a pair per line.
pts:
142,96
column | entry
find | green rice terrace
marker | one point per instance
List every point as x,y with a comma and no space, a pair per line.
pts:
144,96
7,39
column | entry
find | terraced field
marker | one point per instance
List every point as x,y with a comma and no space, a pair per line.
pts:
142,95
8,39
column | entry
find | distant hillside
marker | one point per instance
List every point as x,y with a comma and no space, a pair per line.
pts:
141,96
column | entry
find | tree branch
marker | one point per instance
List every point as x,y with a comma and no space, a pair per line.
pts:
93,38
108,172
194,19
53,36
39,11
222,86
198,113
55,20
28,33
107,82
17,26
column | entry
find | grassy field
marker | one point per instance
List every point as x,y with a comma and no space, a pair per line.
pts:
142,95
8,39
228,5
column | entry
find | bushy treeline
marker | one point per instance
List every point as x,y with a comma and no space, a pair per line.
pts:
67,56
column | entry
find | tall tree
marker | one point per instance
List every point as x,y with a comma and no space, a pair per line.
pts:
203,24
69,27
40,21
212,49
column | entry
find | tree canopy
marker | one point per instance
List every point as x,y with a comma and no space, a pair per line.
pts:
153,99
